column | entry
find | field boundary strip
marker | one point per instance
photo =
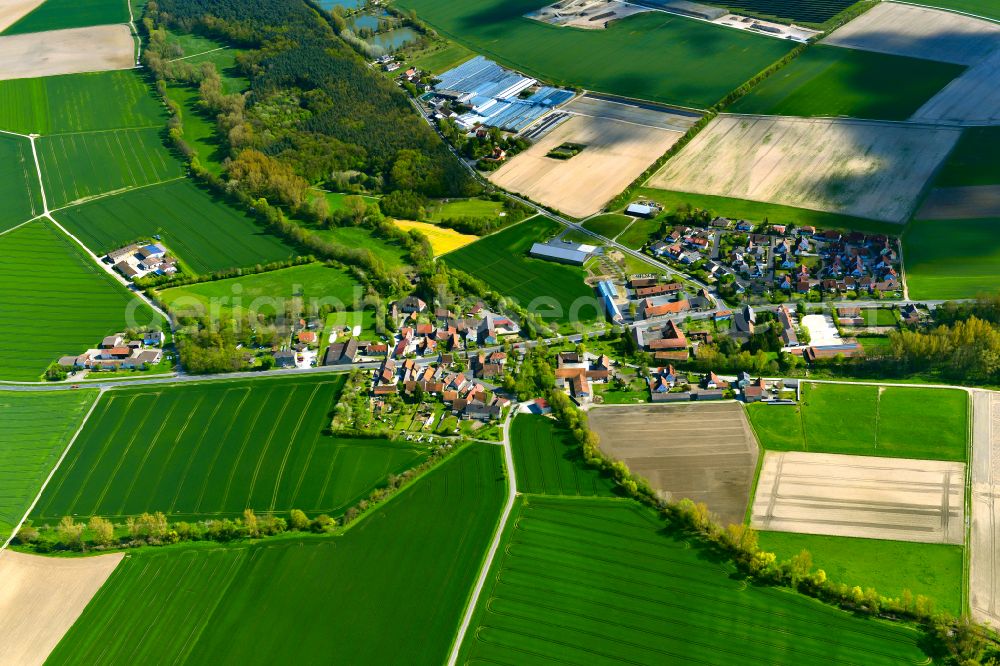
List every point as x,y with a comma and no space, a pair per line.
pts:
54,469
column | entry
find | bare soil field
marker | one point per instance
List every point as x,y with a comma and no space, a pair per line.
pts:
961,203
984,543
971,99
706,452
919,32
12,10
41,598
616,153
861,496
95,49
868,169
640,113
586,14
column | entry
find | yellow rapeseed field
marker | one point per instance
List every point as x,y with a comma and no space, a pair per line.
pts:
442,239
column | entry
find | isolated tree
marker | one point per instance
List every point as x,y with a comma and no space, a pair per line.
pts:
297,520
103,531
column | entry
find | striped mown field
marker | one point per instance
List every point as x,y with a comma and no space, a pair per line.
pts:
199,450
549,462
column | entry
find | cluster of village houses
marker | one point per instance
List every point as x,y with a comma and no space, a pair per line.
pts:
778,258
136,261
119,352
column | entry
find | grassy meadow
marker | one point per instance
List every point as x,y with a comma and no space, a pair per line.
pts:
204,232
609,225
465,208
655,56
590,581
61,14
411,565
81,165
199,128
501,260
442,239
54,300
834,81
549,462
79,103
952,258
391,253
931,569
19,190
37,427
214,449
894,422
263,293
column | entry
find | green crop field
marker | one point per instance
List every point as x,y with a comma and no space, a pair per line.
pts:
973,161
501,261
549,462
54,300
952,258
214,449
398,580
60,14
813,11
81,165
931,569
894,422
597,581
653,55
19,192
78,103
833,81
204,232
264,293
36,429
987,8
609,225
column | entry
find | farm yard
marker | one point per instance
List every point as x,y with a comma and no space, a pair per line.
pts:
931,569
94,49
895,422
582,580
60,14
553,291
22,199
42,597
214,449
264,293
78,103
442,239
81,165
709,456
964,267
207,234
422,549
36,430
695,64
616,153
830,81
65,286
549,462
861,496
865,169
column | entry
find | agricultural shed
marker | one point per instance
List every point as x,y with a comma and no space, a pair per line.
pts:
570,254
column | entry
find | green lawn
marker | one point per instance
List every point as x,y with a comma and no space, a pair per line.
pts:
19,191
60,14
973,161
36,429
637,234
931,569
465,208
894,422
597,581
396,583
833,81
554,291
55,300
609,225
204,232
199,128
265,293
215,448
549,462
655,56
952,258
391,253
78,103
757,211
82,165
